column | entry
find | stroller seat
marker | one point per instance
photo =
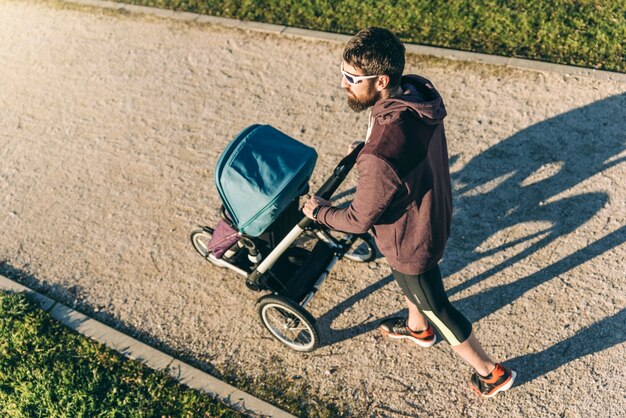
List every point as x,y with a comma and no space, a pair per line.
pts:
260,174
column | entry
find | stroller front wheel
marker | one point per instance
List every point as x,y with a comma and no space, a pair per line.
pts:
200,238
288,322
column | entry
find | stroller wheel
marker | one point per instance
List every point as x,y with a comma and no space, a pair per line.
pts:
363,250
288,322
200,239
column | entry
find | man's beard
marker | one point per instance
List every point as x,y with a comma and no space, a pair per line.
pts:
359,105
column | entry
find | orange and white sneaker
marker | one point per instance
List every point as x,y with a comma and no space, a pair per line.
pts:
500,379
397,328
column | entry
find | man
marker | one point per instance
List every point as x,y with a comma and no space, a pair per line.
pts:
404,196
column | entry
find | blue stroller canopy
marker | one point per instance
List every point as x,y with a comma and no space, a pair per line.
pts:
259,174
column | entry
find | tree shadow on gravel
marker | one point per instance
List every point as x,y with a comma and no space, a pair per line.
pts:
509,204
517,185
604,334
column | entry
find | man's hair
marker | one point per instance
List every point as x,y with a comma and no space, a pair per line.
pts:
376,51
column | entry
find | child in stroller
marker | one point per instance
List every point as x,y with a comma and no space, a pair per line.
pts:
260,177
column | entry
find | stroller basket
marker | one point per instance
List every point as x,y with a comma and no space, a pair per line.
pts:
259,174
296,283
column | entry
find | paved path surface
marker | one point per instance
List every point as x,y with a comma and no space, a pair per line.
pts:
110,125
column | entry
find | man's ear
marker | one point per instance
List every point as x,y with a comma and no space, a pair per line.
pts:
382,82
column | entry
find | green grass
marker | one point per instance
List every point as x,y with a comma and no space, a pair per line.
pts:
587,33
46,370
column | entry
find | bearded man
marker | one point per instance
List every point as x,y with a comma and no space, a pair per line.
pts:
404,197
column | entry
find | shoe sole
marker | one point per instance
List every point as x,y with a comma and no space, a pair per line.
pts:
421,343
506,386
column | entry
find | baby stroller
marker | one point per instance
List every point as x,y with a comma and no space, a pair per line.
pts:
263,236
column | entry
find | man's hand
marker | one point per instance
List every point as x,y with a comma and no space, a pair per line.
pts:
311,204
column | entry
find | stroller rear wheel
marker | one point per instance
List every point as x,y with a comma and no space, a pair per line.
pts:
288,322
363,250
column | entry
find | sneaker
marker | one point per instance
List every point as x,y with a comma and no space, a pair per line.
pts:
397,328
499,379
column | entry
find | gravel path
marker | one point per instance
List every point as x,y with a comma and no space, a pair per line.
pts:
111,124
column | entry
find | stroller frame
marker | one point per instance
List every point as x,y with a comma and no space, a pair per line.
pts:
283,310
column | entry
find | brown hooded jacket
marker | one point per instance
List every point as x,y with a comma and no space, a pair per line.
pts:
403,194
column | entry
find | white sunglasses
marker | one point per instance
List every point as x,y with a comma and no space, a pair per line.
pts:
355,79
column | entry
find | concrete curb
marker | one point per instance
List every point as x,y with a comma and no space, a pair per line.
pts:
151,357
450,54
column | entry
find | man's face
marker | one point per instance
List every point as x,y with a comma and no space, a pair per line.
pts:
361,95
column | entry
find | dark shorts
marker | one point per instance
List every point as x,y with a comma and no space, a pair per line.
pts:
426,291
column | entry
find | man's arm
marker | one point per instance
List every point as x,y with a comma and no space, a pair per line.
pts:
377,185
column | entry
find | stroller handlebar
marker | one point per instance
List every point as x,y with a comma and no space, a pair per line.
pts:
331,185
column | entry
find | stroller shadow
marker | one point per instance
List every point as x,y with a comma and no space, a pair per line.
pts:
324,322
516,194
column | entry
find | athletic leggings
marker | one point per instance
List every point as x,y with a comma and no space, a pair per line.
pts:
427,293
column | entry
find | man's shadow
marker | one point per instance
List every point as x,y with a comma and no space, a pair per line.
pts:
522,182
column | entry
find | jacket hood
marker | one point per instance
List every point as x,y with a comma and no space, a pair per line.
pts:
419,97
